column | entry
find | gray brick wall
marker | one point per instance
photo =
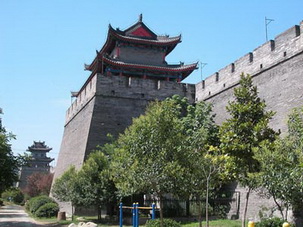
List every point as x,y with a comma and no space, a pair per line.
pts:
108,103
279,82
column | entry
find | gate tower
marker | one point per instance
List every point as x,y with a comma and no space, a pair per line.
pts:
127,73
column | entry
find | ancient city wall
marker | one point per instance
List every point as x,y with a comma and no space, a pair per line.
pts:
120,99
83,98
106,105
277,70
127,87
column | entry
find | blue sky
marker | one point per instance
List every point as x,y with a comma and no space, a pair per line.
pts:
44,45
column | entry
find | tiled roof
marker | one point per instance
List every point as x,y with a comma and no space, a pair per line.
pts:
115,34
140,34
168,68
39,146
160,40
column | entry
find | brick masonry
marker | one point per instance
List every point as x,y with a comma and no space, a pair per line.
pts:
277,70
107,104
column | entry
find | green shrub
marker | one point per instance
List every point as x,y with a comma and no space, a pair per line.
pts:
270,222
166,223
47,210
27,205
13,195
35,203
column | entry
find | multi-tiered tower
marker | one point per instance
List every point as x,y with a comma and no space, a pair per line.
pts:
138,52
128,72
39,162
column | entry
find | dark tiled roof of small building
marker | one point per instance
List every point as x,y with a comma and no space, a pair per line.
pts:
39,146
167,68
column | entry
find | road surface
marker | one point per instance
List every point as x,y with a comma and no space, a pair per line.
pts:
15,216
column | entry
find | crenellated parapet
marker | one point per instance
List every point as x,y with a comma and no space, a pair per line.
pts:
284,47
82,98
135,88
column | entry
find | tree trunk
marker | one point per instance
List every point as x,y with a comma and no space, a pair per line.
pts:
161,209
199,211
245,208
187,208
99,213
286,211
279,207
72,212
206,203
298,215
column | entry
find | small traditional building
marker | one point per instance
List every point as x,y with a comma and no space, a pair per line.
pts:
39,162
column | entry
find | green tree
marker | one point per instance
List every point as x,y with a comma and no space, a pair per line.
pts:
96,186
207,168
67,188
8,162
245,130
14,195
205,160
282,168
275,160
150,157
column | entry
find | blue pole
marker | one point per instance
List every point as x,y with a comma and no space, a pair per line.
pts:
137,215
153,211
134,215
121,215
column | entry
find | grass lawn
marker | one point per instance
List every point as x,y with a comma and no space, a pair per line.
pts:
216,223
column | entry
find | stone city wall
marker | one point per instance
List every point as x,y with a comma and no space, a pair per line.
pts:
277,69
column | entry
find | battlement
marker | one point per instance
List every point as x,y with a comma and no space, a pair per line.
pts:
111,86
285,46
84,96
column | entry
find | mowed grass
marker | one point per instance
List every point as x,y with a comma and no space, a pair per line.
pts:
216,223
213,223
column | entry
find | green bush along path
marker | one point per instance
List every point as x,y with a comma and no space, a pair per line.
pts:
15,216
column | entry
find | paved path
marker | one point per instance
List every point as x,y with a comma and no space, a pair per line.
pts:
15,216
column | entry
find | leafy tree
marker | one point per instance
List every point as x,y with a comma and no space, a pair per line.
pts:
206,163
67,188
94,177
150,156
8,162
245,130
295,128
38,184
282,167
13,195
207,169
275,159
